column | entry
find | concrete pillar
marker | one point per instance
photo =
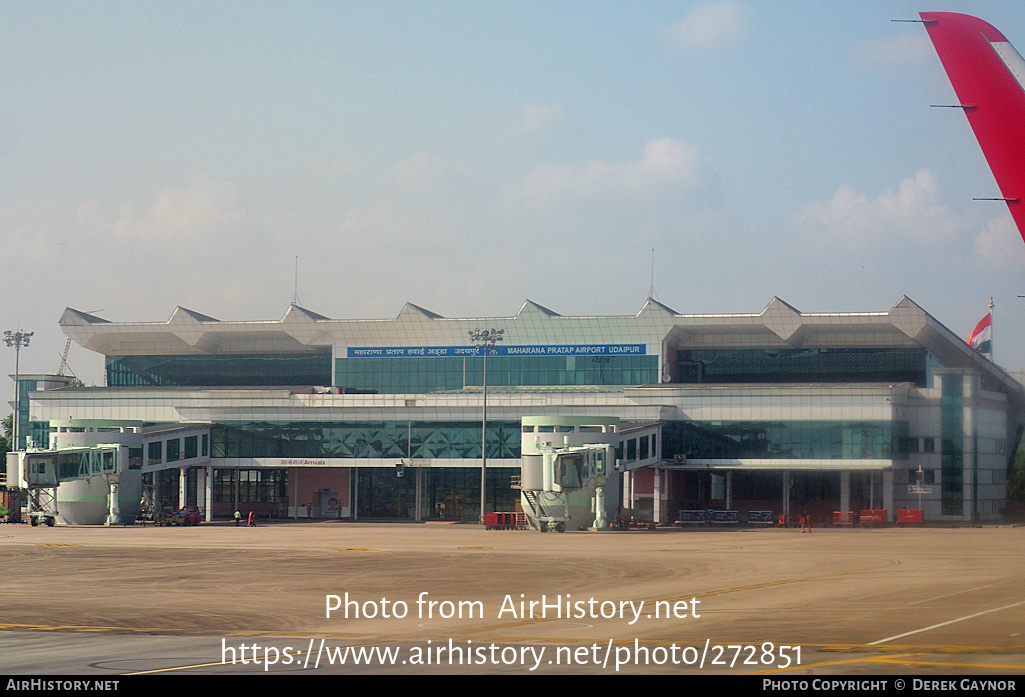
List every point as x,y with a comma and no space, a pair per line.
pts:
209,493
657,499
845,491
729,488
786,493
183,481
888,494
201,489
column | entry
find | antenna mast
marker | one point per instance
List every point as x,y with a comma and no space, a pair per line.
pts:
651,288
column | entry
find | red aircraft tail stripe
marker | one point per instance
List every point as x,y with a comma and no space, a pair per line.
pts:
970,51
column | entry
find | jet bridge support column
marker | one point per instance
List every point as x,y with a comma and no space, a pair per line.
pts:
114,512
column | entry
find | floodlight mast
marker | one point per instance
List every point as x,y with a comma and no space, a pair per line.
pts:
17,340
486,340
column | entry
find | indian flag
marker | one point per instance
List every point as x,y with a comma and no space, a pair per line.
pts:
982,336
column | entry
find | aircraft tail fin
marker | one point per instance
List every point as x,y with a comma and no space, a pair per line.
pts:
988,76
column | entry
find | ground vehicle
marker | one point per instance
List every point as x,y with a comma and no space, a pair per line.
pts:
187,515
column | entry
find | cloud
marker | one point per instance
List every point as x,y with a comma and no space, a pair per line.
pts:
709,25
201,207
33,229
377,224
664,162
422,168
895,51
850,220
1000,244
535,117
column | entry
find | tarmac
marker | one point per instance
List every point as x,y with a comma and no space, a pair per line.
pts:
399,598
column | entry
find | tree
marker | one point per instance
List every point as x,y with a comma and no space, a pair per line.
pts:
6,434
1015,505
1016,479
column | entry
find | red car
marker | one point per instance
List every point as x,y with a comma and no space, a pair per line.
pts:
187,515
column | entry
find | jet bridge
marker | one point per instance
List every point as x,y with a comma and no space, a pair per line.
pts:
566,487
42,473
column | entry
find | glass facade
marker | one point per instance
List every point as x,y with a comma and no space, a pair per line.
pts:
254,486
952,445
224,486
415,375
259,370
812,486
264,486
824,440
372,439
191,490
809,492
24,387
450,493
167,488
827,440
802,365
36,431
191,447
39,432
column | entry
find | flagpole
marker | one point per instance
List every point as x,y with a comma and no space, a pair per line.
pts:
992,341
983,334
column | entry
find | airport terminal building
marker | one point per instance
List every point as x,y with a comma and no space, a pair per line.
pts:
308,416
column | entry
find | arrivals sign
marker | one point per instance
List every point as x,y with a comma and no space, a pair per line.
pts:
456,351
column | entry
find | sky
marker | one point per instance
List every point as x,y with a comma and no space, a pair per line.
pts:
466,156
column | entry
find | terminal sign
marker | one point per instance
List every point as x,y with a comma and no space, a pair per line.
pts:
455,351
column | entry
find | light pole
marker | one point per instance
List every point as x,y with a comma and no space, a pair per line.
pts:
17,340
485,339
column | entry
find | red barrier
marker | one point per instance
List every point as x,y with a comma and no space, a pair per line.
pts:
504,521
844,517
909,516
873,516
